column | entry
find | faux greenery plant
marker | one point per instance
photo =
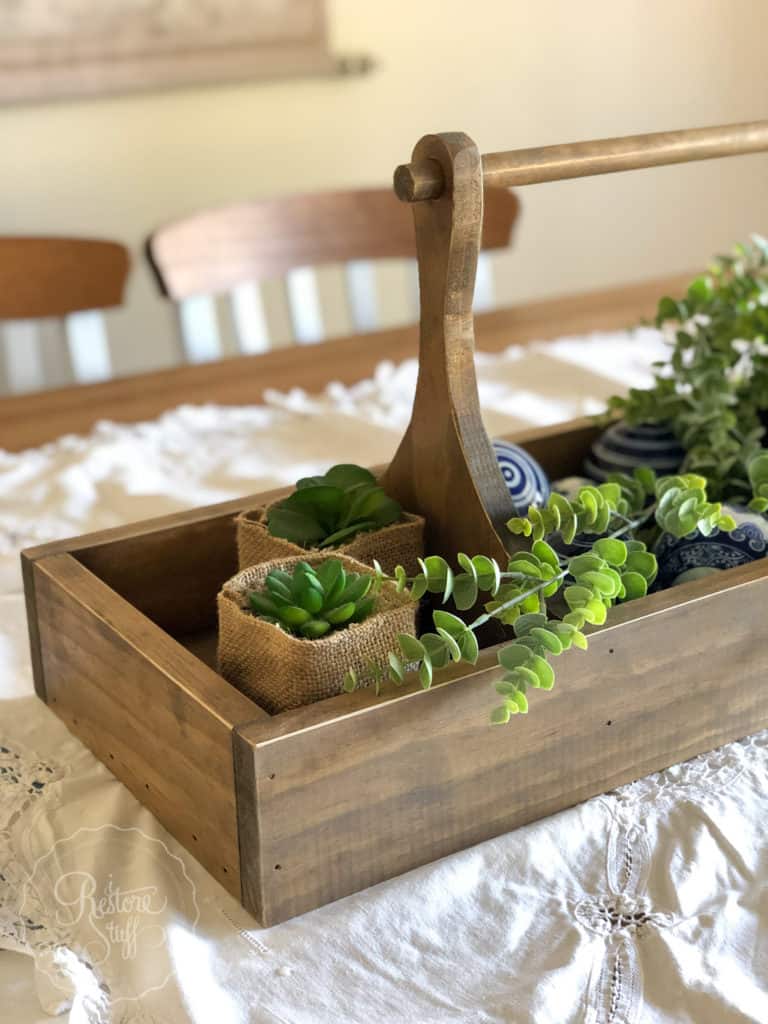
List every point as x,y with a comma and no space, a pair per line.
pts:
712,392
313,601
326,511
582,587
713,389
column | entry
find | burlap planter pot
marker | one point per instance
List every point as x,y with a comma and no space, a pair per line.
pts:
399,544
280,671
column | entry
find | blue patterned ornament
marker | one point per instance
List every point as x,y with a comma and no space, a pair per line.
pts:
526,481
685,558
621,448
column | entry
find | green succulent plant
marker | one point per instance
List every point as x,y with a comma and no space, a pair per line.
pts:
312,601
326,511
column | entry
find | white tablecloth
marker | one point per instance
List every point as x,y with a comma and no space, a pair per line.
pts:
645,905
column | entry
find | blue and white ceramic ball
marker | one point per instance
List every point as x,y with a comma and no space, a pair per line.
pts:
686,558
621,448
526,481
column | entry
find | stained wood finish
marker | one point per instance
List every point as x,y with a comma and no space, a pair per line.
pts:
158,718
47,277
422,180
344,794
33,419
367,787
215,250
446,456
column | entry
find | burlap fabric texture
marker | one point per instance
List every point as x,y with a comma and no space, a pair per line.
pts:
280,671
399,544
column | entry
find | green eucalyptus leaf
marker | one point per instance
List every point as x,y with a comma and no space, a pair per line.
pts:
613,550
548,639
465,591
350,680
513,656
452,624
635,585
528,622
425,673
412,648
500,715
396,669
546,554
544,672
470,650
452,645
436,649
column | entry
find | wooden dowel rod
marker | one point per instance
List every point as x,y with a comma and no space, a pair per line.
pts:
417,181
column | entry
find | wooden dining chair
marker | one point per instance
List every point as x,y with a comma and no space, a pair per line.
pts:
52,291
233,251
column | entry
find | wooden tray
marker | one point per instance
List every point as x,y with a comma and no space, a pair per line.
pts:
294,810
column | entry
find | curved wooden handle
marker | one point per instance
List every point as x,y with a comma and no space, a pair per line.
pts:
445,467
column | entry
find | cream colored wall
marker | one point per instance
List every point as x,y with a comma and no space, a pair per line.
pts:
508,72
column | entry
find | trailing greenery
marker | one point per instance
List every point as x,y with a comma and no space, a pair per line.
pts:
325,511
616,567
713,389
758,478
311,602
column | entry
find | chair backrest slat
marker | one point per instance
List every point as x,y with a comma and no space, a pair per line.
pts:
235,247
250,316
23,356
88,346
305,305
362,295
200,328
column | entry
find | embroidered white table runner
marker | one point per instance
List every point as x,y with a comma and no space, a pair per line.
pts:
649,904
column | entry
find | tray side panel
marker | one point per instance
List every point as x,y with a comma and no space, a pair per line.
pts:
33,629
349,801
156,717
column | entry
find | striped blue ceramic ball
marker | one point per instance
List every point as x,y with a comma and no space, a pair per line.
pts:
682,558
622,448
526,481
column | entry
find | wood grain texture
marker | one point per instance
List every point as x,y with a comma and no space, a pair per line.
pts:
33,419
352,791
158,718
421,180
356,789
446,456
45,277
215,250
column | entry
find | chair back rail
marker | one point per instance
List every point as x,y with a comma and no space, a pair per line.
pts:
300,268
52,291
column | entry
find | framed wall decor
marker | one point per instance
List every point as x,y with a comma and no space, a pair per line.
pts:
52,49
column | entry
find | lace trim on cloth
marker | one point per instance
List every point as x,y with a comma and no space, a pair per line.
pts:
24,779
698,777
22,782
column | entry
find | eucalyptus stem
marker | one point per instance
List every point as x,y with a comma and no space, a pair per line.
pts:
517,599
633,524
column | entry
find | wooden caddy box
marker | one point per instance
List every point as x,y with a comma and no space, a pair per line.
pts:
295,810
